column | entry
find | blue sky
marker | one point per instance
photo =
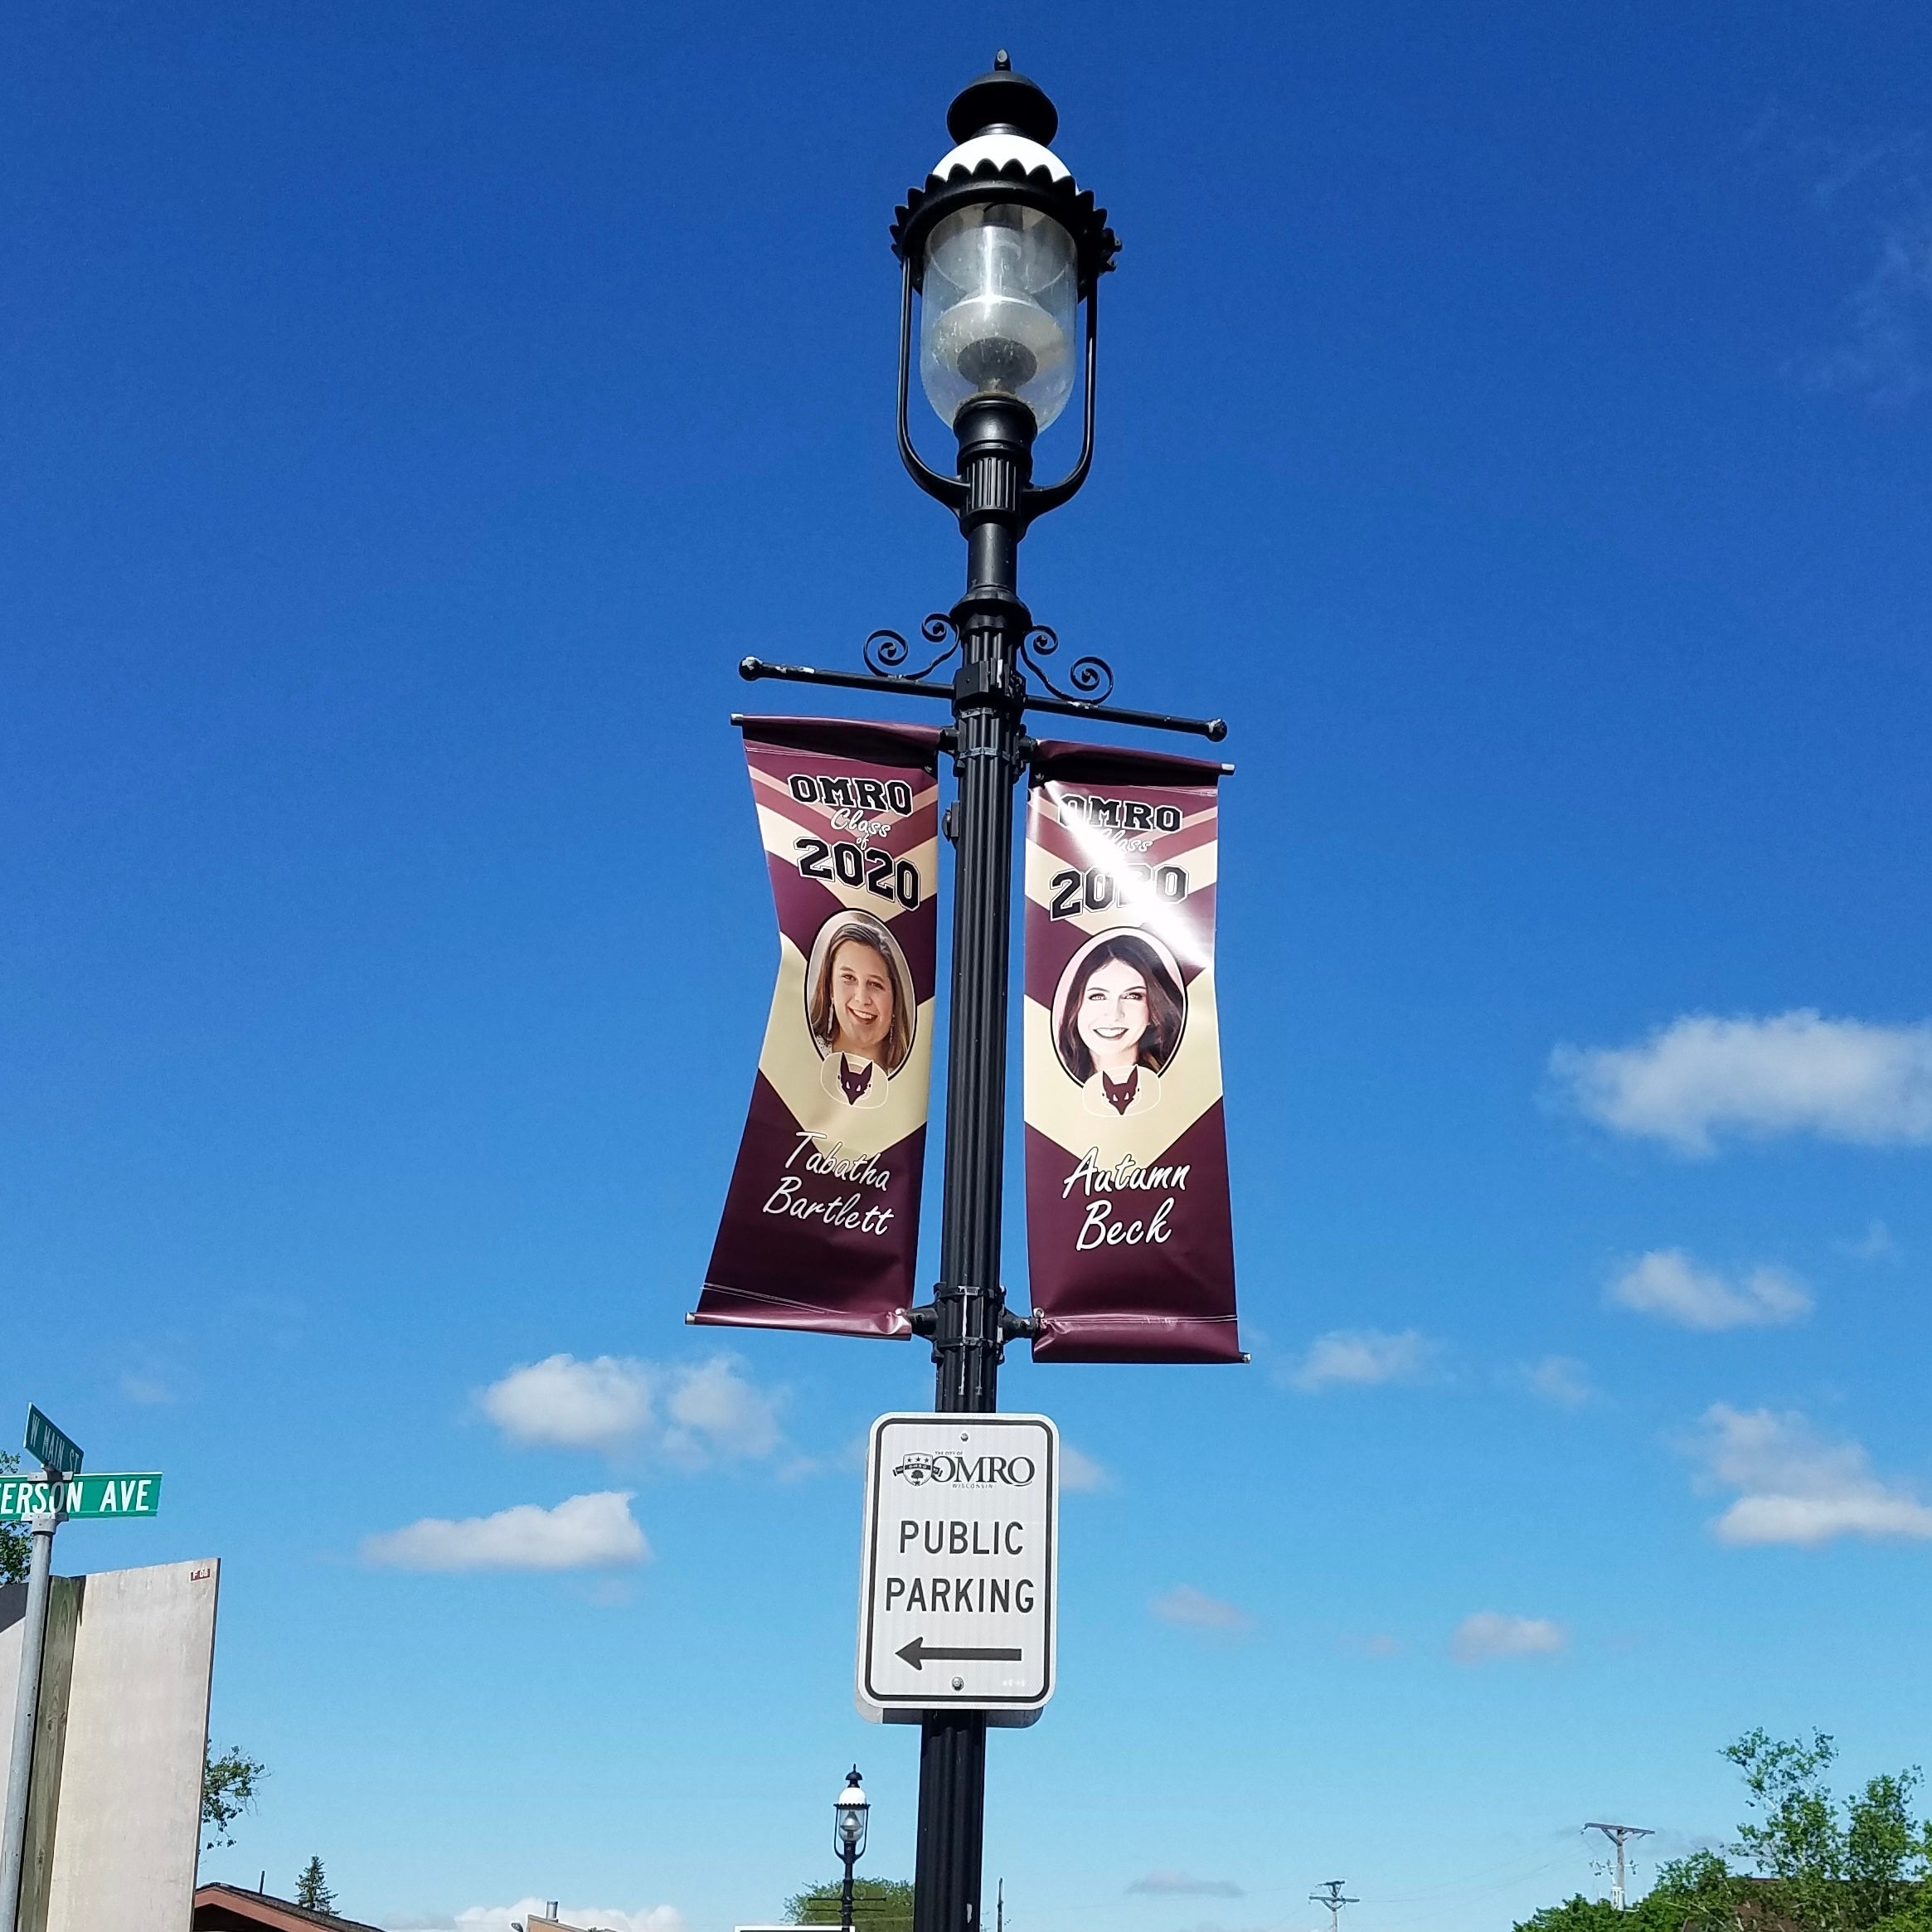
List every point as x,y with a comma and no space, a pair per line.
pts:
1516,423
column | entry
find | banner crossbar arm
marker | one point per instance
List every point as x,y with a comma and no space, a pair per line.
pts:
752,669
1214,730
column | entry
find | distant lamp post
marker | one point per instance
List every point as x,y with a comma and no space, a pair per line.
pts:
850,1810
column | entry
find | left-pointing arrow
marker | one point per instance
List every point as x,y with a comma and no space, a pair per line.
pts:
919,1650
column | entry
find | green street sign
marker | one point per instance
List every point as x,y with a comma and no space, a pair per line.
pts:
80,1496
49,1447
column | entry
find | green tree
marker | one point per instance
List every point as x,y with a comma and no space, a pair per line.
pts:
1887,1857
228,1789
14,1541
1914,1917
1836,1872
1866,1867
1577,1914
1796,1840
312,1889
878,1905
1697,1892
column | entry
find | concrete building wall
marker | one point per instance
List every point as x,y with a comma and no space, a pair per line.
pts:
114,1824
130,1823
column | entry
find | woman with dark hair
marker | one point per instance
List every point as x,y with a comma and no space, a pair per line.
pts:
1120,1023
860,1013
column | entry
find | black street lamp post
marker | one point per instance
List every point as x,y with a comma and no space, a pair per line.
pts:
849,1813
1001,250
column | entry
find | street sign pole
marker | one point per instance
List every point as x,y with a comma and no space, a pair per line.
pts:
971,1300
61,1461
25,1714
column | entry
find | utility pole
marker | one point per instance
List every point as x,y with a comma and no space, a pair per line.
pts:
1334,1898
1620,1836
59,1458
27,1710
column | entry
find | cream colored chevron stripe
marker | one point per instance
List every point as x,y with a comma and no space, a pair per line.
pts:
1171,922
781,835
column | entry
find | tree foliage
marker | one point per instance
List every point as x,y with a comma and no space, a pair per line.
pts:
228,1789
1826,1868
878,1905
1806,1862
312,1888
1694,1893
14,1541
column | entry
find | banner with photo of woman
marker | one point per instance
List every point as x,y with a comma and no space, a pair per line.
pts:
821,1220
1129,1237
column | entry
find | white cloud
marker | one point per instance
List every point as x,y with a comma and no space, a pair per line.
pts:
1179,1884
1080,1472
715,1412
1795,1488
1380,1644
562,1403
1359,1358
1792,1072
1195,1609
692,1414
501,1918
1875,1243
1668,1283
1560,1379
1489,1634
583,1532
1888,354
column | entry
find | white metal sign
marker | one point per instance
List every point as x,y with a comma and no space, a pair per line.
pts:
960,1569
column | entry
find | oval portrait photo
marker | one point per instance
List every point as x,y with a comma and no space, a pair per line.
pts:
1118,1018
859,1006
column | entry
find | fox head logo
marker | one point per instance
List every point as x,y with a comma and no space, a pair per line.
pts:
1120,1098
856,1085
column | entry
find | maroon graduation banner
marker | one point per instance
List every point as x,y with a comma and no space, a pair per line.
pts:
821,1220
1129,1239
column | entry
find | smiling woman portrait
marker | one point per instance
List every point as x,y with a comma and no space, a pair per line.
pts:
859,1007
1118,1019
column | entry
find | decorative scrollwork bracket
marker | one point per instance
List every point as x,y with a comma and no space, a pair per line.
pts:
885,651
1091,678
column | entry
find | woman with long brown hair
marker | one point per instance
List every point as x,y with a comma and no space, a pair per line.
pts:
1119,1023
860,1010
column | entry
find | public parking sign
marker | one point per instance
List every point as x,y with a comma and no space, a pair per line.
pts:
959,1574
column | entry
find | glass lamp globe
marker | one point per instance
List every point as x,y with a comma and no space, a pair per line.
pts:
850,1810
1000,291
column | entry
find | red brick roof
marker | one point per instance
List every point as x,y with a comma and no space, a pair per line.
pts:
227,1908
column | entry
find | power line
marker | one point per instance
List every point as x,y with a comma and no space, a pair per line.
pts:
1620,1836
1332,1896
